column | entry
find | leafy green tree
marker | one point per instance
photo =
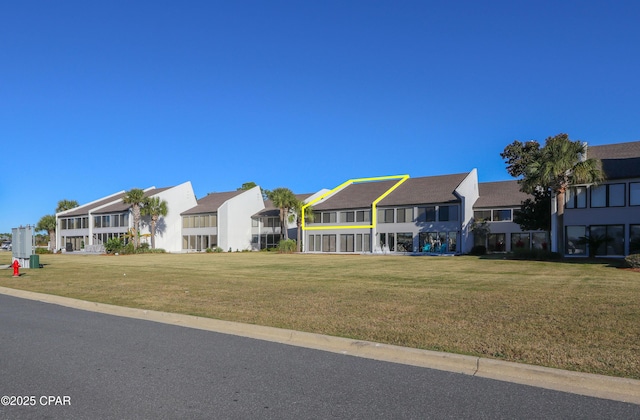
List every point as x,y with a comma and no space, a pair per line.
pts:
154,208
135,197
535,213
48,224
285,200
66,205
554,168
247,186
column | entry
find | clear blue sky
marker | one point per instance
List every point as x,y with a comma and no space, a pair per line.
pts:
99,97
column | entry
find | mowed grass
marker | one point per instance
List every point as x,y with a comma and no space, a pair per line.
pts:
577,316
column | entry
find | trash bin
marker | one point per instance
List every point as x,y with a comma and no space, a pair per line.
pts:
34,261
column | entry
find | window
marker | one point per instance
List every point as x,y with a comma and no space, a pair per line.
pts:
254,222
405,215
405,242
329,217
366,242
318,241
634,239
426,214
63,224
329,243
576,198
448,213
539,240
573,244
482,215
496,242
613,239
520,241
346,243
363,216
503,215
346,216
385,215
97,221
608,195
213,220
634,194
359,242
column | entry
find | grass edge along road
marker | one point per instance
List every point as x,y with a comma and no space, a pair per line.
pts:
582,316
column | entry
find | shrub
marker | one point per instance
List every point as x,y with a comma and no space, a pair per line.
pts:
633,260
478,250
128,249
113,245
40,250
287,246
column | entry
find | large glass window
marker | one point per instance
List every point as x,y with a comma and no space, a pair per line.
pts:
634,239
447,213
612,237
363,216
405,242
495,242
482,215
346,243
405,215
573,243
97,221
366,242
520,241
539,240
385,215
347,216
608,195
502,215
427,214
329,243
329,217
576,198
634,193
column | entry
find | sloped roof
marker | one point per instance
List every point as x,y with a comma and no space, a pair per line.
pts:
432,189
84,210
271,211
620,160
212,202
119,206
500,194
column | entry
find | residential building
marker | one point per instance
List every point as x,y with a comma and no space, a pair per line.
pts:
434,211
497,204
609,210
221,220
91,225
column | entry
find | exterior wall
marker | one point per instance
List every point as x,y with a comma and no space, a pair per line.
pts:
589,216
234,219
169,228
468,193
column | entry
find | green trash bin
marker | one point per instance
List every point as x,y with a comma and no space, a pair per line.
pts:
34,261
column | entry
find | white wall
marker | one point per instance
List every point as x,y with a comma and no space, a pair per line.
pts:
169,228
468,193
234,219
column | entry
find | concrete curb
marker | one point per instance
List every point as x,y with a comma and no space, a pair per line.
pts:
619,389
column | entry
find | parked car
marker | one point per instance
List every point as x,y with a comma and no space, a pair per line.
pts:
6,246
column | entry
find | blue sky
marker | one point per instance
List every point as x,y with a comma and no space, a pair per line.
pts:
99,97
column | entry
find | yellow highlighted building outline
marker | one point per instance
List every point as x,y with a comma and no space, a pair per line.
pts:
374,216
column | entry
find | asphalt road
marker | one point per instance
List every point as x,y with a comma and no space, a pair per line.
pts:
64,363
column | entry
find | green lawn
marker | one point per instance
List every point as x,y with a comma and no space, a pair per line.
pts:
573,315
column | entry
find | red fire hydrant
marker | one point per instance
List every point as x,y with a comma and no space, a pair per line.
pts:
16,265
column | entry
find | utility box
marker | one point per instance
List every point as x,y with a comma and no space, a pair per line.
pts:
34,261
22,245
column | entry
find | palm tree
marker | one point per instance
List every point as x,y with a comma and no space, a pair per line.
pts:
48,223
560,164
66,205
285,200
135,197
154,207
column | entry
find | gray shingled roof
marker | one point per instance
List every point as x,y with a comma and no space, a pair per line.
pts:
432,189
271,211
84,210
119,206
211,202
620,160
500,194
